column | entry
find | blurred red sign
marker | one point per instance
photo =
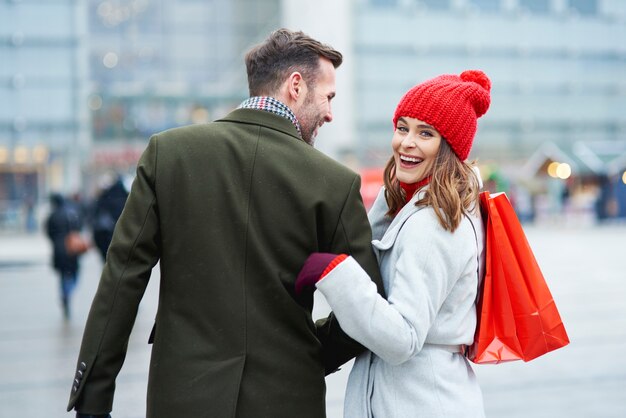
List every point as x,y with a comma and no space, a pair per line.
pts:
117,156
371,182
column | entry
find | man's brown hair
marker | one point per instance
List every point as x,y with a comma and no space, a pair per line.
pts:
283,52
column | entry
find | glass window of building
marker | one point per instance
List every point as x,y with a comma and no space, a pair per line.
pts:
384,3
536,6
486,5
435,4
584,7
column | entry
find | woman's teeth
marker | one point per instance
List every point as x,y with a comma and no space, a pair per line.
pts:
410,160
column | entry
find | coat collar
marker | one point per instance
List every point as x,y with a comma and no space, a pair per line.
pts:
263,118
385,232
272,105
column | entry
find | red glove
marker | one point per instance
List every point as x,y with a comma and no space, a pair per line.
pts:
316,266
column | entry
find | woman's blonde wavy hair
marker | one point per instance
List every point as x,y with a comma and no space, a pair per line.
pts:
453,189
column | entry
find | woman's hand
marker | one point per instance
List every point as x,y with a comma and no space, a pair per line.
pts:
314,269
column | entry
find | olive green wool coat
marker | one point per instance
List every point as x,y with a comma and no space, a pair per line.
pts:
230,210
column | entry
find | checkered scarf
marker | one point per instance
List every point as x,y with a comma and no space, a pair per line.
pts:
269,104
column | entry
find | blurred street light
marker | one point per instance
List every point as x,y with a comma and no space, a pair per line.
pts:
40,154
110,60
95,102
559,170
20,155
564,171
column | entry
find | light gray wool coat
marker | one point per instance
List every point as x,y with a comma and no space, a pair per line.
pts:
415,367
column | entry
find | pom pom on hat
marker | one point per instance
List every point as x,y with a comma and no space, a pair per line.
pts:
451,104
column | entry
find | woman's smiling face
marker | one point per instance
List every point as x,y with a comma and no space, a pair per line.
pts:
415,146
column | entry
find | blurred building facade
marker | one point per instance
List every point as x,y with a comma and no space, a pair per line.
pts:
44,124
156,64
557,73
84,84
557,69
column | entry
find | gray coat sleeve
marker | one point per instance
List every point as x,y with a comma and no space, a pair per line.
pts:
422,275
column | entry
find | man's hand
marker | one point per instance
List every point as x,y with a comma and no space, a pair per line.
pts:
313,268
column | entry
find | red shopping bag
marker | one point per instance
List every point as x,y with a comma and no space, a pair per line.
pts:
517,316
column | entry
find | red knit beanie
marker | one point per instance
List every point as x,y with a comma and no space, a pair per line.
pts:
451,104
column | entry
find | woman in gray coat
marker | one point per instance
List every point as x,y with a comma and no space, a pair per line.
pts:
428,237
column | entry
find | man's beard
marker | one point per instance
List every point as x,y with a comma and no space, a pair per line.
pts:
309,138
309,121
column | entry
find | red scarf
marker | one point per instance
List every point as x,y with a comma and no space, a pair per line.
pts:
411,188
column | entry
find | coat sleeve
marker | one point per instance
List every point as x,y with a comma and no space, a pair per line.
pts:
395,329
352,236
134,251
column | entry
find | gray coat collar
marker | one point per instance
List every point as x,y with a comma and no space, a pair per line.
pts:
384,230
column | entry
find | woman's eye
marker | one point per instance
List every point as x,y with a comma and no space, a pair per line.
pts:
427,134
402,129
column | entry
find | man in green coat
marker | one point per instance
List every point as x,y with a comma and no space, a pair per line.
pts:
231,210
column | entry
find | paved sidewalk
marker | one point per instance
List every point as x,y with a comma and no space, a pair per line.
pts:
16,248
35,338
585,268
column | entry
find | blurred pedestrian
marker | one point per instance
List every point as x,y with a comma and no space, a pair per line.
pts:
63,219
82,207
30,214
230,210
428,235
107,210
